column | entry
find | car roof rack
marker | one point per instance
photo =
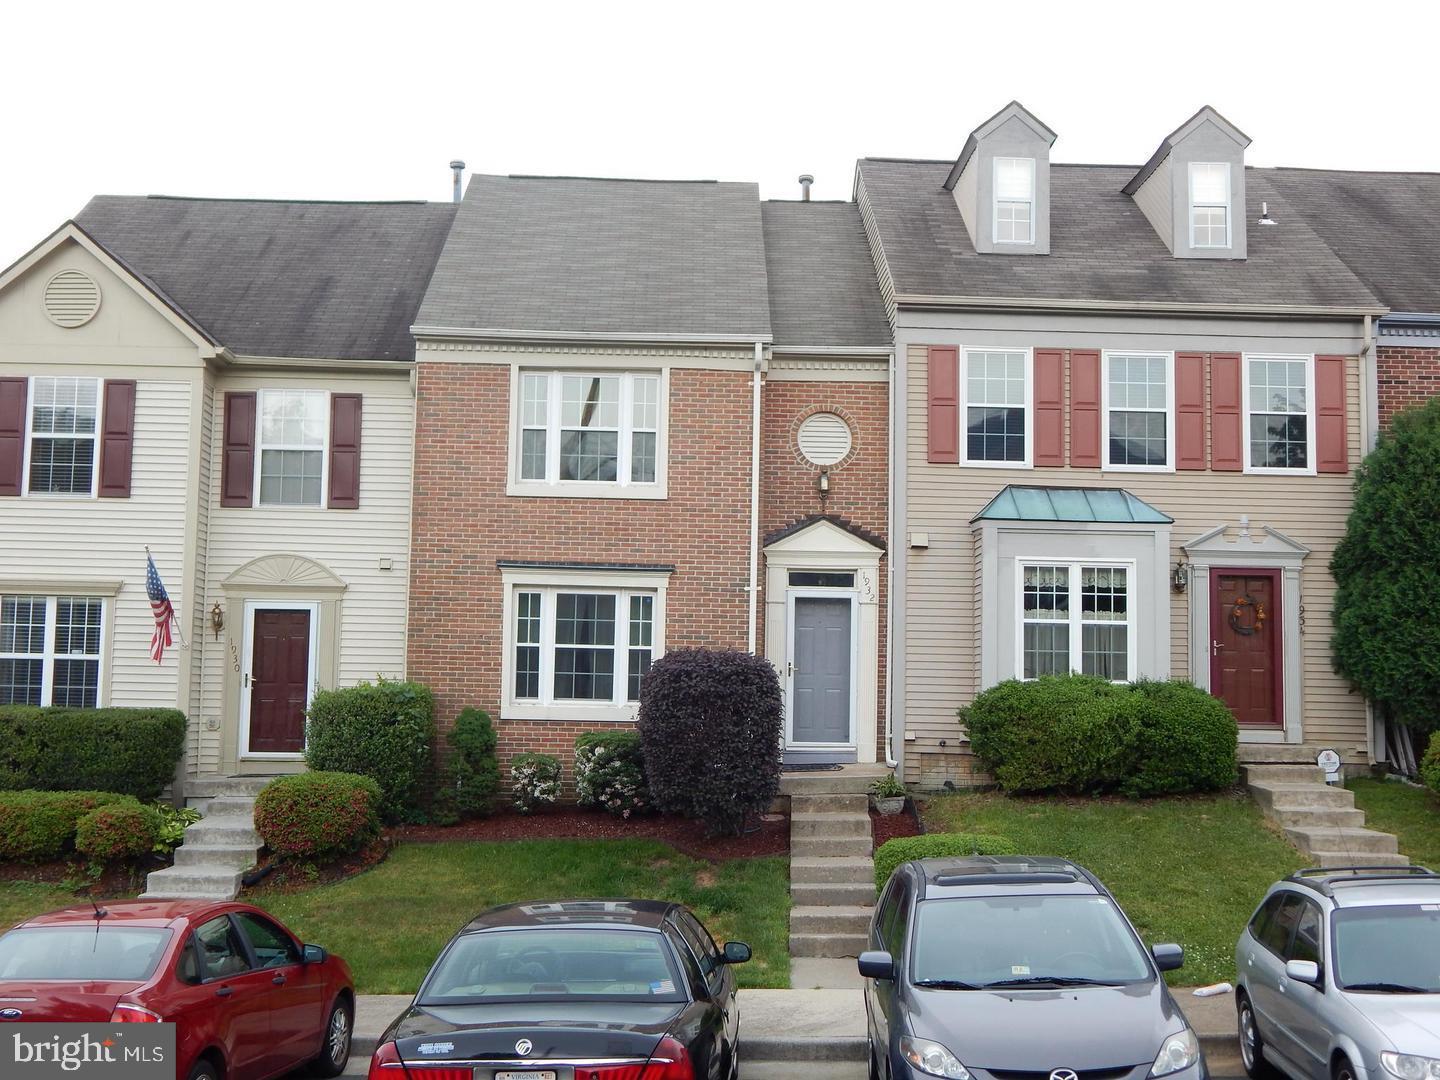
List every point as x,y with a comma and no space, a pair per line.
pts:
1323,879
1006,877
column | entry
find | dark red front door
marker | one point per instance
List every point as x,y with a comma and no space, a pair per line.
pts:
1245,645
279,681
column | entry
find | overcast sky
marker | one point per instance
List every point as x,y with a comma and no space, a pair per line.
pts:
371,100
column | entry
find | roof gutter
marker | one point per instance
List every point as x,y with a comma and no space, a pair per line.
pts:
923,300
880,351
470,333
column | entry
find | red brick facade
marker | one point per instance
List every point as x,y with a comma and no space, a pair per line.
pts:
1407,377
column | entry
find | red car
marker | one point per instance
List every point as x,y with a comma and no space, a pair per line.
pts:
248,999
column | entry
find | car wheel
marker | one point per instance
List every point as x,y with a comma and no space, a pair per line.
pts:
1343,1070
1252,1048
335,1052
204,1069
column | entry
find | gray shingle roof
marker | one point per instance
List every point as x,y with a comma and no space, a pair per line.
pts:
303,279
575,255
823,289
1385,226
1102,247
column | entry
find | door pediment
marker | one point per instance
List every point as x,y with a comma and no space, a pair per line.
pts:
283,573
824,534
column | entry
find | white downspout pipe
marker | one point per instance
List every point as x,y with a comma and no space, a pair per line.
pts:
755,494
891,761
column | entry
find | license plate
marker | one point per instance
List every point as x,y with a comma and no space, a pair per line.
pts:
525,1074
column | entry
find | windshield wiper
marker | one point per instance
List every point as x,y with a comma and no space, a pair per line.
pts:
1050,980
945,984
1388,988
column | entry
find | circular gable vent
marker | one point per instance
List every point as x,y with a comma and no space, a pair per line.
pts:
824,438
71,298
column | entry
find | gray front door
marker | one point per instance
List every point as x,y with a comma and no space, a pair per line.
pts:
821,703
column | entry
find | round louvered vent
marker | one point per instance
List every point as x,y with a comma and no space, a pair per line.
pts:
71,298
824,438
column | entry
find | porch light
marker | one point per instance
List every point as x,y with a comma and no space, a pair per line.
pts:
822,482
1180,577
217,619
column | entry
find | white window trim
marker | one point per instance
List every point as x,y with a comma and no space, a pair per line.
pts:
260,449
1193,206
1076,623
965,405
49,655
622,488
1245,412
1169,358
995,201
545,580
29,439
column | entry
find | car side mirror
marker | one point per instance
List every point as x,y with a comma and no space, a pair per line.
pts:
1168,957
876,964
1306,971
313,954
736,952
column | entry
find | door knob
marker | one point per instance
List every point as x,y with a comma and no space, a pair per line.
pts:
1215,648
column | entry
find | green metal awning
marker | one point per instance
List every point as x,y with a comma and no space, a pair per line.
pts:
1018,502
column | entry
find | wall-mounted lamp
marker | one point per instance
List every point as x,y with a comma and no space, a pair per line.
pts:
217,619
1179,577
822,482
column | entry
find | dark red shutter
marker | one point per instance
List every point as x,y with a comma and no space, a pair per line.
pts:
943,416
12,435
1049,407
1331,445
1190,410
345,451
117,438
1085,408
237,454
1225,408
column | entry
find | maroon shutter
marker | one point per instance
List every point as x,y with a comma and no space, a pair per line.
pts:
1225,407
12,435
1085,408
943,415
1190,410
237,454
117,438
1049,407
345,451
1331,449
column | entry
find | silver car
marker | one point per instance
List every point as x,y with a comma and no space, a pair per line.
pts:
1339,976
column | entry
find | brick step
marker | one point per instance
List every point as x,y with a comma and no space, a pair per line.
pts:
1283,774
1357,858
832,894
829,804
834,919
1326,838
241,858
829,825
848,870
1308,816
834,846
827,944
1273,795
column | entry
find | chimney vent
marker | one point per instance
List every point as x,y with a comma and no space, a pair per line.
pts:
458,167
805,181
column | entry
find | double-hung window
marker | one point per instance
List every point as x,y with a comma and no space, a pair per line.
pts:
1076,617
50,650
1210,204
583,432
294,431
1014,200
997,401
64,418
1138,403
1279,402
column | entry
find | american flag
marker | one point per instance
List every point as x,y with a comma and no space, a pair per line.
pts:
160,605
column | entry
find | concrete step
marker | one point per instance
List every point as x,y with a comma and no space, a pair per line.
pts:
829,804
850,870
826,944
823,972
209,787
849,779
223,832
829,825
1304,817
1326,838
1273,795
812,846
1283,774
241,806
777,1049
1357,858
204,881
242,858
834,919
802,1070
1286,753
831,894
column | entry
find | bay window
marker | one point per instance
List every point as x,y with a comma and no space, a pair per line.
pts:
50,650
1076,617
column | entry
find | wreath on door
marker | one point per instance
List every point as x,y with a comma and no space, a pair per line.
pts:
1247,615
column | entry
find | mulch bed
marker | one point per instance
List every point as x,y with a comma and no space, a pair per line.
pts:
281,877
771,837
888,826
113,881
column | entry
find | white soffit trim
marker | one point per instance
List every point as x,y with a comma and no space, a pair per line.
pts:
586,335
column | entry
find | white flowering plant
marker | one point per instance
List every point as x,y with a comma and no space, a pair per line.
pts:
534,781
610,772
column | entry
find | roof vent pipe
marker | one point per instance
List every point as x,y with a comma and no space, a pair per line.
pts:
1265,218
458,167
805,181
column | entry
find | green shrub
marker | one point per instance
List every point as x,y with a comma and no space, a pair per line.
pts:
610,772
1430,764
902,849
130,751
470,775
318,815
1184,740
39,826
117,832
534,781
384,730
174,820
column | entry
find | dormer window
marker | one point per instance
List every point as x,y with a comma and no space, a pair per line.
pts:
1210,204
1014,200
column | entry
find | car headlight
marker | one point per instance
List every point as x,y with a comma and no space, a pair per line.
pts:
931,1057
1410,1066
1180,1051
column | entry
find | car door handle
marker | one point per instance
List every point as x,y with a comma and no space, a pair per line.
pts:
225,991
278,980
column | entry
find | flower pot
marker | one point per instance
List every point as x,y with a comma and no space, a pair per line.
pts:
892,805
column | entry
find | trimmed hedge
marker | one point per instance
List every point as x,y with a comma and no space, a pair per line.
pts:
1185,740
610,772
470,775
534,781
902,849
118,832
318,815
709,728
39,826
130,751
384,730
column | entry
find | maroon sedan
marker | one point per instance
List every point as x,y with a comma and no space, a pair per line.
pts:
248,1000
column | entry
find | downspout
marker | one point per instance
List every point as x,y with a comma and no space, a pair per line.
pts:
1377,741
755,494
891,761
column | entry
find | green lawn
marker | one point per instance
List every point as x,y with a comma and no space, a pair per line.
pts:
19,900
1411,813
1188,870
390,922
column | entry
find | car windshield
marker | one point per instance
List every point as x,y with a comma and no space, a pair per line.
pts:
1024,940
546,963
108,952
1393,948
